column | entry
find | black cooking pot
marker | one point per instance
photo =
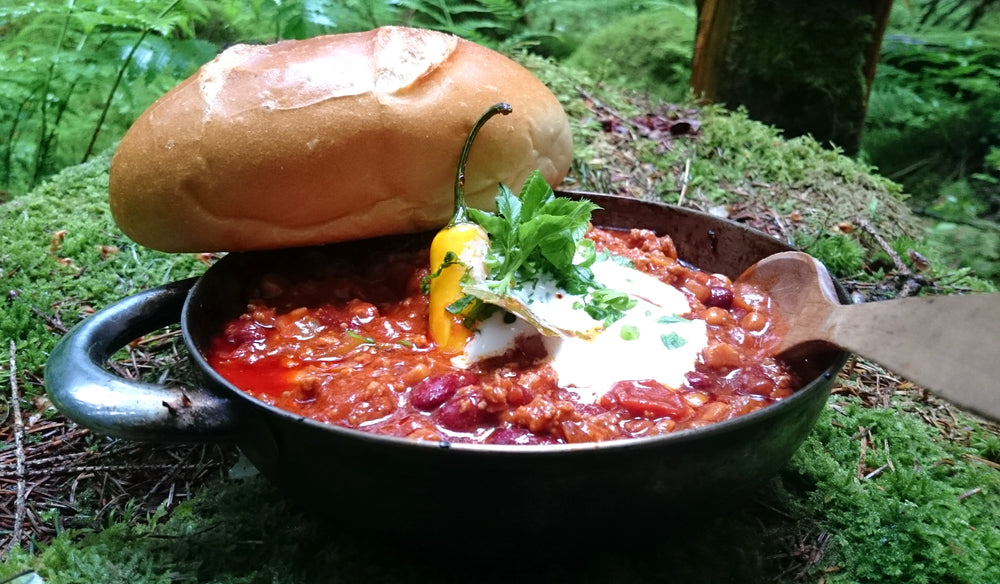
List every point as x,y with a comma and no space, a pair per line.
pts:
423,487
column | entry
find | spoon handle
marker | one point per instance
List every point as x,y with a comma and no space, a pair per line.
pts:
948,344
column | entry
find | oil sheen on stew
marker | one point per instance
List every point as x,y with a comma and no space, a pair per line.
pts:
351,348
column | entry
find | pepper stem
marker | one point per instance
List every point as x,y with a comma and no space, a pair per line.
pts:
461,211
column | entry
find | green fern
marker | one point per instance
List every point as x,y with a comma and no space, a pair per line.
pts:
63,73
490,22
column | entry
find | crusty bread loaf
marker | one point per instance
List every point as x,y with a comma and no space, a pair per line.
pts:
334,138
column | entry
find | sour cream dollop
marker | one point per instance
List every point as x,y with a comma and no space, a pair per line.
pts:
651,340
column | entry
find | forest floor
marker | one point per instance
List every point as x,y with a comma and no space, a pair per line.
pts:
81,507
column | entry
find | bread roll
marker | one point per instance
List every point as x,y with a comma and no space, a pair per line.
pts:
329,139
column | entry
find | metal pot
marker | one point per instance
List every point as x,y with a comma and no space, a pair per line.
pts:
422,487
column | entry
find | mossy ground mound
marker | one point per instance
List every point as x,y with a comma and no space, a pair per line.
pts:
891,486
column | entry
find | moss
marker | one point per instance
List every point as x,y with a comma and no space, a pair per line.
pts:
650,51
61,256
930,514
841,254
737,162
242,532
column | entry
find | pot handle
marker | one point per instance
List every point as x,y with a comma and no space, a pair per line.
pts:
85,392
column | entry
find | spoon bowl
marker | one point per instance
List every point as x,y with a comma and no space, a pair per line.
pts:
947,344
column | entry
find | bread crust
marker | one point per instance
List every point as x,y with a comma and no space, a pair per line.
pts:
333,138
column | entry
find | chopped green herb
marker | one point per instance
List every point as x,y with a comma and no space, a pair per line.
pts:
360,337
405,343
608,305
671,319
605,255
629,333
459,306
672,341
450,259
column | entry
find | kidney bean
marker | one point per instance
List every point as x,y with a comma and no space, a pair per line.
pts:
244,331
329,316
463,414
720,297
513,435
698,380
437,389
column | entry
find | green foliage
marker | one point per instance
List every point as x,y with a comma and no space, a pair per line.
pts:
490,22
74,75
962,245
956,15
933,122
908,506
62,256
650,51
933,111
841,254
570,23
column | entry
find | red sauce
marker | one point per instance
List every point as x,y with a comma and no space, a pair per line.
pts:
352,348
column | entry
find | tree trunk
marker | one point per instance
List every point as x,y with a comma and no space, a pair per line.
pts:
715,19
805,67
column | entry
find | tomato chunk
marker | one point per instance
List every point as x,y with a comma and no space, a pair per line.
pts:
646,398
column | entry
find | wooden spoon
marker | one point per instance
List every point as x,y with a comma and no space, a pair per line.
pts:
947,344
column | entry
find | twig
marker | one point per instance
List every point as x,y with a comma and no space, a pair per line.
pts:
981,460
863,434
968,494
597,103
685,178
122,467
896,260
875,472
21,500
911,284
52,321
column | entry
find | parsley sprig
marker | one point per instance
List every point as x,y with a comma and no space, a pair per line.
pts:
536,235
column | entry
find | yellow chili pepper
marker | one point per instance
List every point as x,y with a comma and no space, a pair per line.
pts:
460,241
